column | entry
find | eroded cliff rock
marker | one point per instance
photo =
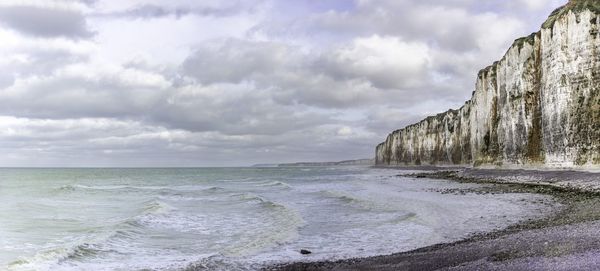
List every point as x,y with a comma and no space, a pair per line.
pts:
539,105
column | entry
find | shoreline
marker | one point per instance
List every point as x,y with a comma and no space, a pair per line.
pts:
564,240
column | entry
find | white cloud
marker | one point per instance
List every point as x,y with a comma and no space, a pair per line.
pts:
344,131
387,62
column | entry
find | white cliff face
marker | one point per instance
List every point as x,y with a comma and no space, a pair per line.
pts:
570,90
538,106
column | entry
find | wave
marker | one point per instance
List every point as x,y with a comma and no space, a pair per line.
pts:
346,198
404,217
66,188
356,201
44,260
83,251
275,184
50,258
165,190
221,263
132,227
93,241
260,182
132,188
249,197
215,189
284,226
156,206
74,187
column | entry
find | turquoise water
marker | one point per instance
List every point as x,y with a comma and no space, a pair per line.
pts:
232,218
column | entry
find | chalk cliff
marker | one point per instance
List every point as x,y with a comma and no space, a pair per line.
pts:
538,106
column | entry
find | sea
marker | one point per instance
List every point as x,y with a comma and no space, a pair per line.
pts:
235,218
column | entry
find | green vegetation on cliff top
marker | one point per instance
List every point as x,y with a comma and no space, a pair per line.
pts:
520,42
575,6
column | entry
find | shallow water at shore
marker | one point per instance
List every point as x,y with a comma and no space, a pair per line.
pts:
234,218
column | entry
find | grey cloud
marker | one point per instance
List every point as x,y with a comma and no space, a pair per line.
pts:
229,109
6,79
322,91
110,142
35,62
457,34
89,2
445,26
233,112
73,96
45,22
235,60
294,77
178,10
45,62
153,11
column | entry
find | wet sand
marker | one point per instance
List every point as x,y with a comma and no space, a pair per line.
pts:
568,239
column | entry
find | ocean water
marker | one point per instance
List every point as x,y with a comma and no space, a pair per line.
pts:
233,218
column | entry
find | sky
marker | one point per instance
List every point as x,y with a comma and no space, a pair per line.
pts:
173,83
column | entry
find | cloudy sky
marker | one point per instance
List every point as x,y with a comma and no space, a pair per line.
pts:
237,82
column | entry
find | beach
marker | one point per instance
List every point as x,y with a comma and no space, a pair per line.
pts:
566,239
155,135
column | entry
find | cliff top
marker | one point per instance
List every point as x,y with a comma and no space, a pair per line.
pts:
572,5
575,6
520,42
439,117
